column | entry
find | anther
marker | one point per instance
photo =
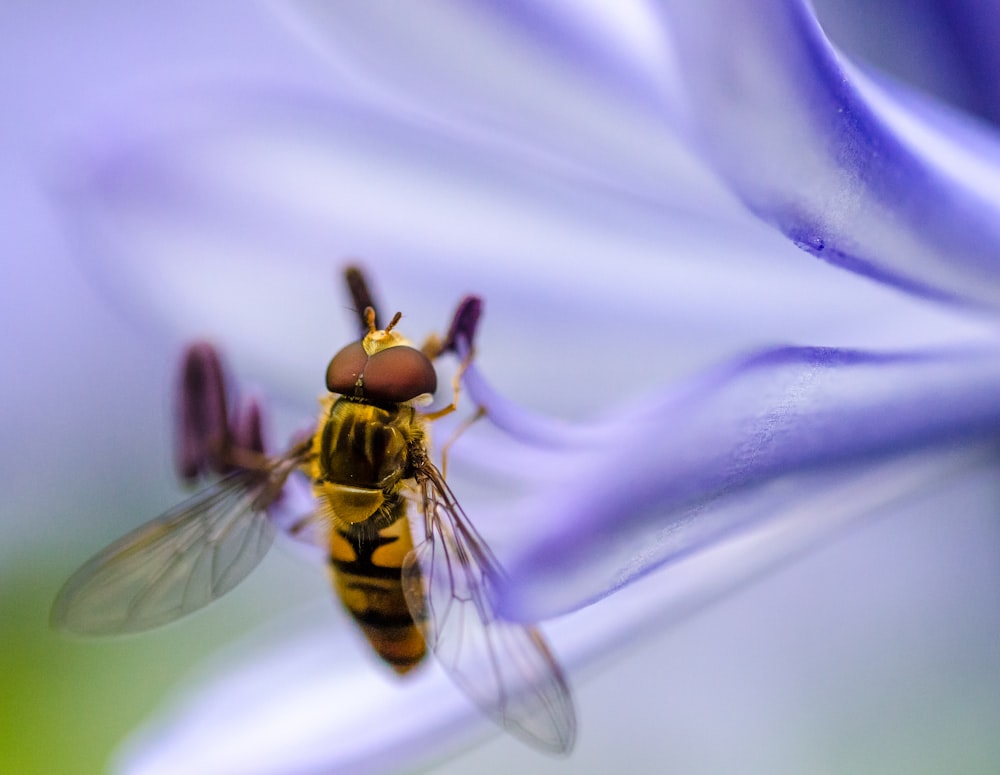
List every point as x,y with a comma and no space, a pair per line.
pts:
361,296
202,437
463,325
247,426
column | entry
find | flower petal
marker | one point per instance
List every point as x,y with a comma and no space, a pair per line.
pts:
577,88
718,453
298,703
976,26
224,216
942,48
297,699
845,167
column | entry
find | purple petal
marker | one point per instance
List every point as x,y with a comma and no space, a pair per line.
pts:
943,48
975,25
231,216
281,704
846,168
579,89
303,703
716,455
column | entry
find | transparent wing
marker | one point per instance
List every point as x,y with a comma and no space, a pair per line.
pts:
504,667
173,565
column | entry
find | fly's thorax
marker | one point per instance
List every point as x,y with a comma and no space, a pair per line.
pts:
362,455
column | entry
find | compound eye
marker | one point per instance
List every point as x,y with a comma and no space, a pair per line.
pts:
398,374
345,368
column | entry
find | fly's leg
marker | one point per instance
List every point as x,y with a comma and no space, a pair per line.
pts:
456,390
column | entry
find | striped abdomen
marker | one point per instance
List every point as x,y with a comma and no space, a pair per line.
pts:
366,574
362,458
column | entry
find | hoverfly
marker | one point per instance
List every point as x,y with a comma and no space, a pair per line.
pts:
366,459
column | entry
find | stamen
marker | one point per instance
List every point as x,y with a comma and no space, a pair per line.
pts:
202,437
462,332
361,296
209,439
247,426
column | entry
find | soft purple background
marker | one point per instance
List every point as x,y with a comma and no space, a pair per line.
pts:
878,653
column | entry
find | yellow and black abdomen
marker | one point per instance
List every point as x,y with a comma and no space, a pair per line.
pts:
365,566
362,457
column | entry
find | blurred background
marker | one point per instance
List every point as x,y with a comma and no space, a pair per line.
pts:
86,393
876,654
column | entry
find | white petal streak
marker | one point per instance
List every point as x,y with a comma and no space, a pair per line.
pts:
300,705
581,89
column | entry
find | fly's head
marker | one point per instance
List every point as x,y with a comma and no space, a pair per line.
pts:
382,367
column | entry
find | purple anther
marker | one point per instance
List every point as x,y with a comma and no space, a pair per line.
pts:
246,428
361,296
202,437
462,332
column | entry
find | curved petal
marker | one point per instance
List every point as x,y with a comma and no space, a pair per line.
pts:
229,215
578,88
299,704
721,452
304,703
976,27
842,165
942,47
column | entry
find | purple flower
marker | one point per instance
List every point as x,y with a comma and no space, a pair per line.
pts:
685,398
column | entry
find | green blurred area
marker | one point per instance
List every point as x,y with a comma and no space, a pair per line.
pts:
67,703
